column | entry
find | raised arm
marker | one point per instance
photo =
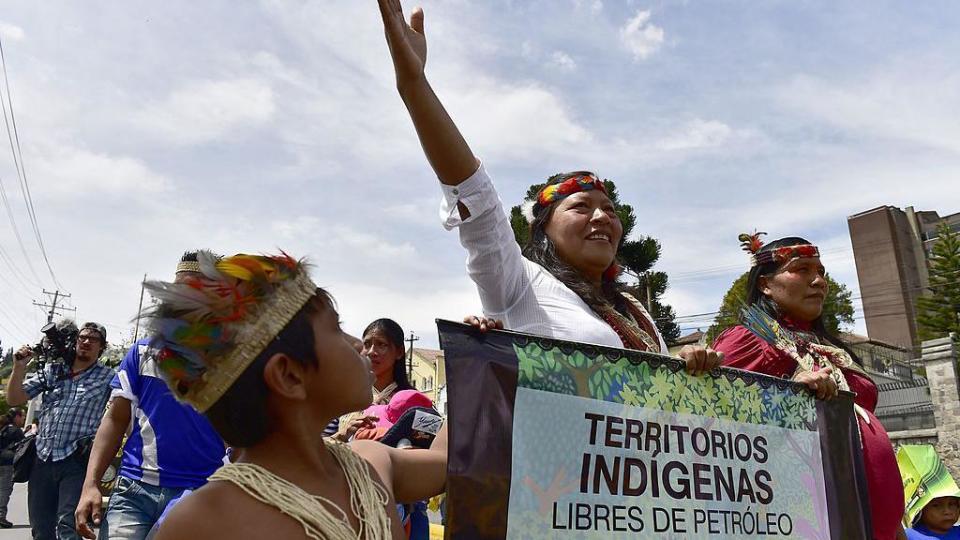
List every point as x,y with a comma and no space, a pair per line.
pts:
446,150
16,395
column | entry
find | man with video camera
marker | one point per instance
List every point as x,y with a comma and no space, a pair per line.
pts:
74,389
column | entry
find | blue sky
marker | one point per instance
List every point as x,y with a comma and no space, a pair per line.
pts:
148,129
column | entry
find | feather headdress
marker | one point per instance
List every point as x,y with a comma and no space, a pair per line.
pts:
752,244
552,193
209,328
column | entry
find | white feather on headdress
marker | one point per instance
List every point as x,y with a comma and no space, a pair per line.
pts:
527,209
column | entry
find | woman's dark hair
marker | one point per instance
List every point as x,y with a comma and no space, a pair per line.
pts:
541,250
394,334
240,416
7,418
756,297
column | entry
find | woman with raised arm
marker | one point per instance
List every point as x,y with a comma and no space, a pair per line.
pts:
782,334
563,284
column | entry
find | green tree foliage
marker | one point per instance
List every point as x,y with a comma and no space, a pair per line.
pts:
837,307
937,309
636,257
6,362
115,353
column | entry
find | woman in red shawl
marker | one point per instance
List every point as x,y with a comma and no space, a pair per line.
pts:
782,334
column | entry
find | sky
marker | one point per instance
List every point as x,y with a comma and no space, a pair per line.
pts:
147,129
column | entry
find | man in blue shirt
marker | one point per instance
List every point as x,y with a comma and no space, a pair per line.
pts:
170,448
73,398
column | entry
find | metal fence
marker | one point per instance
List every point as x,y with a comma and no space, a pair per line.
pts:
905,405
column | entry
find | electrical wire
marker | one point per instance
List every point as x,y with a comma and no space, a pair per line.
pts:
17,152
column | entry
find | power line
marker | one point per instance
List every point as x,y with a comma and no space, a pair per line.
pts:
12,321
16,230
21,171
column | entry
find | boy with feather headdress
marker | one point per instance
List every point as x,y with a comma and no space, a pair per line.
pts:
257,347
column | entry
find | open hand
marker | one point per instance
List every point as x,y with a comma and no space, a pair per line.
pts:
363,421
482,323
407,42
820,382
700,359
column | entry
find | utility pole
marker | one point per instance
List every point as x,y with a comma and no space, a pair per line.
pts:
136,327
410,340
54,308
649,293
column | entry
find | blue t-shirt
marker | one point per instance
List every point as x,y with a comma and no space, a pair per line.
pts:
171,445
919,532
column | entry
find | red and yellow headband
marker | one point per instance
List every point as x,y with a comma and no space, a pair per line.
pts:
575,184
751,243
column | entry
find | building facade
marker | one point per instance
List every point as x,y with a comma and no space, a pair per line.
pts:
428,375
890,248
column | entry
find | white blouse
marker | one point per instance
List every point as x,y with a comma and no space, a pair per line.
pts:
520,292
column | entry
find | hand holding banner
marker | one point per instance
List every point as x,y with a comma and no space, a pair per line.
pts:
552,439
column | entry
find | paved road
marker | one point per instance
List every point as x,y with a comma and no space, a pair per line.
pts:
17,513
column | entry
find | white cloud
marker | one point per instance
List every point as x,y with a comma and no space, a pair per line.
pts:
509,120
562,61
207,110
595,6
11,32
641,37
360,303
70,171
697,134
420,212
337,241
895,103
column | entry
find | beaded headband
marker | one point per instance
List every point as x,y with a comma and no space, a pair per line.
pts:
561,190
751,243
209,329
188,266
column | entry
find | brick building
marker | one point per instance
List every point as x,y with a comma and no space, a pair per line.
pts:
890,248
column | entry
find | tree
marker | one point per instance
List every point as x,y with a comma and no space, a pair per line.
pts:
115,353
837,307
636,257
6,363
937,309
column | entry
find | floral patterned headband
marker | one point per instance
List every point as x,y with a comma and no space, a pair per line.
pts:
751,243
561,190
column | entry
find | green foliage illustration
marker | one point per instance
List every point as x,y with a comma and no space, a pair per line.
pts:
643,385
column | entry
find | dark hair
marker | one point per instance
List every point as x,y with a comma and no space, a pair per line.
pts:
240,416
8,417
755,297
394,334
541,250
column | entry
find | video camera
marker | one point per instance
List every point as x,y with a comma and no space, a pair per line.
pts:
59,343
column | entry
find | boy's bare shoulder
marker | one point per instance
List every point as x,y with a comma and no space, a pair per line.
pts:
223,510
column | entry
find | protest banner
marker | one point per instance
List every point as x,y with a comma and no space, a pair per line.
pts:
553,439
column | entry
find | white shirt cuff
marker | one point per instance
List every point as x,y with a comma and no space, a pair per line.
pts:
476,193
